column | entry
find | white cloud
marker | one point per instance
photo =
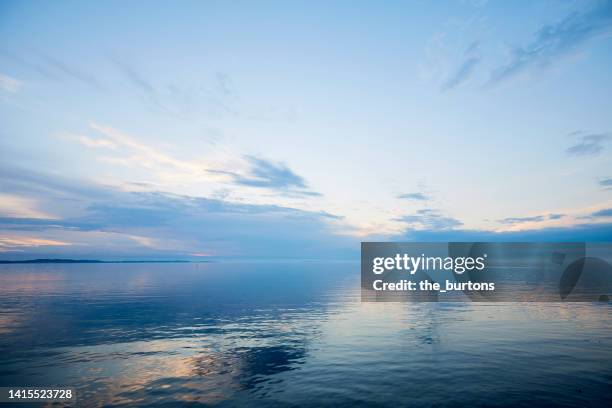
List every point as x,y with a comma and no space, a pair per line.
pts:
9,84
17,243
21,207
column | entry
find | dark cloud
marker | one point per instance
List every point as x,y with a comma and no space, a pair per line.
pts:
589,144
603,213
535,218
606,183
518,220
554,41
413,196
471,59
272,176
429,219
222,227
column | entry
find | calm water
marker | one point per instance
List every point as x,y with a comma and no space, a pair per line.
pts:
292,334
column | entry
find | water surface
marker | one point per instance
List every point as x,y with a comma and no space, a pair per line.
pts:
287,334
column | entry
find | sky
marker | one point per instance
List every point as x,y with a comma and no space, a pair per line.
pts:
190,130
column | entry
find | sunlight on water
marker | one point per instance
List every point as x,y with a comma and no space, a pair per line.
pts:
287,334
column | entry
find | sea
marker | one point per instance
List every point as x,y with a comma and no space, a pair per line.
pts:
287,334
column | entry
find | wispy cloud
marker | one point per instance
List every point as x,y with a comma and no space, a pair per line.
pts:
52,68
96,142
413,196
429,219
581,232
69,71
270,175
10,84
30,64
589,144
557,40
471,58
130,151
216,99
140,82
534,218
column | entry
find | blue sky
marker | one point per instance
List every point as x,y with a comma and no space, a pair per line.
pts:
299,129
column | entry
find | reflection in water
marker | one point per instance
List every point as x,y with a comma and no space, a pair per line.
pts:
286,335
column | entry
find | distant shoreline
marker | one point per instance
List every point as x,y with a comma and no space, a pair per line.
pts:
89,261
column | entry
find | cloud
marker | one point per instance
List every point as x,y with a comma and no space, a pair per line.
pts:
69,71
216,99
413,196
557,40
39,224
516,220
17,206
429,219
607,212
132,152
112,223
119,148
10,84
18,243
471,59
606,183
581,232
36,186
534,218
35,67
589,144
96,142
115,224
140,83
270,175
218,227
